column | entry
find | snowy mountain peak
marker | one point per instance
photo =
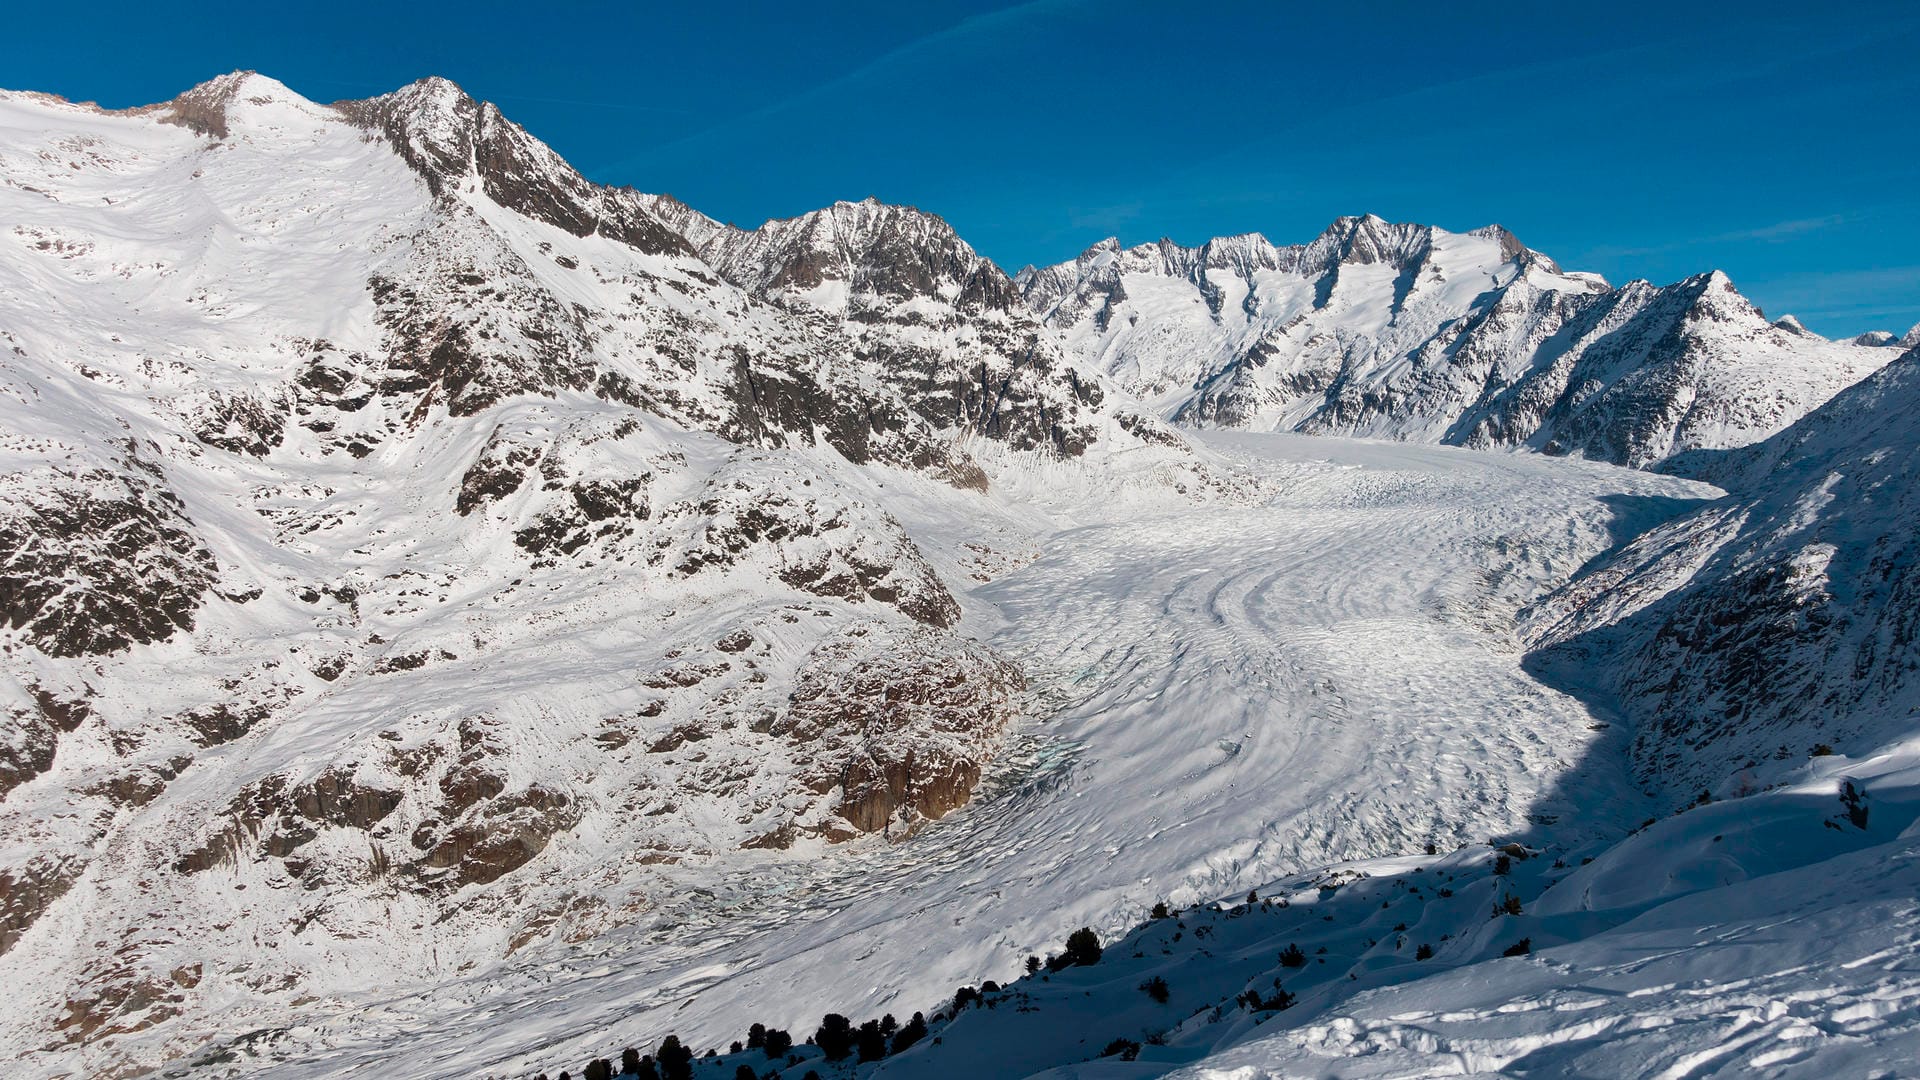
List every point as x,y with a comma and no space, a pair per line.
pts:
1512,250
1911,338
826,257
212,107
1408,331
448,137
1366,240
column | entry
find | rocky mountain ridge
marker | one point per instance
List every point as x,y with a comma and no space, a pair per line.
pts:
1783,617
1410,332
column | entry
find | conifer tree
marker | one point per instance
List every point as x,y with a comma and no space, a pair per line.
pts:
911,1032
872,1042
835,1037
676,1061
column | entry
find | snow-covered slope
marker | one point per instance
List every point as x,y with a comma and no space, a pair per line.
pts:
1766,935
1414,333
409,546
1784,615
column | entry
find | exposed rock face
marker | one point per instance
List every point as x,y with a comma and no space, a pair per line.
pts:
27,890
240,424
908,717
473,325
97,561
448,137
1411,332
503,465
788,519
919,310
1784,615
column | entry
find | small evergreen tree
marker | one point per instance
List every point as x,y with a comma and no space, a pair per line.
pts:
1503,865
835,1037
676,1061
1519,948
871,1042
736,1047
629,1062
1508,906
756,1036
1160,910
1855,800
1292,957
1156,988
779,1042
911,1032
598,1069
1424,952
1033,964
1083,948
744,1072
888,1025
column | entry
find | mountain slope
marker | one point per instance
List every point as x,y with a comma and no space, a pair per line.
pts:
412,549
1411,332
1784,615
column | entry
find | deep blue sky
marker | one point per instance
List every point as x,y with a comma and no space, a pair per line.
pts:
1781,144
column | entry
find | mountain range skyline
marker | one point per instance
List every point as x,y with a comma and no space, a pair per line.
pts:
1642,142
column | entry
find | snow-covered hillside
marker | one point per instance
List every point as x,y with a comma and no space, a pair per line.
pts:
1788,614
1768,936
388,511
459,619
1415,333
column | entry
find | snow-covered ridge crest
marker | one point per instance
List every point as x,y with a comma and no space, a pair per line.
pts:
1412,332
448,137
899,253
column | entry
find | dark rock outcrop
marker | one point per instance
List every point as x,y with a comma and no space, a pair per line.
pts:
98,561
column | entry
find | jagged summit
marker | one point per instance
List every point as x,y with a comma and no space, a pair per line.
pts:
1409,331
447,136
867,247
